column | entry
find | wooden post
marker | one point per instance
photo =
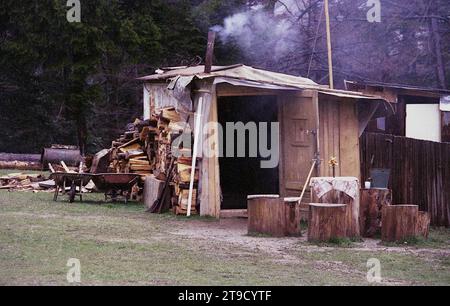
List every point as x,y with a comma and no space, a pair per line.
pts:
372,203
330,52
198,127
399,222
326,222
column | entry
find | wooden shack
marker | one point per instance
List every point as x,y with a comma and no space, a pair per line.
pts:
315,123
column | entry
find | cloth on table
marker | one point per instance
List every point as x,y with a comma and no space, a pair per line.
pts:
323,185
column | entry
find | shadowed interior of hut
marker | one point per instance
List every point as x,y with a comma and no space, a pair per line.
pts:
243,176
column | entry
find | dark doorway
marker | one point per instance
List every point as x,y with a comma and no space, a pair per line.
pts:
241,177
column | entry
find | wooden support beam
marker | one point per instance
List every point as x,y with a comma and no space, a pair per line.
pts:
330,52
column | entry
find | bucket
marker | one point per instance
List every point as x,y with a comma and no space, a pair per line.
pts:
380,178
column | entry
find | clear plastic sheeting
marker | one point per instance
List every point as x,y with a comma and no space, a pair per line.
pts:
176,95
181,91
445,104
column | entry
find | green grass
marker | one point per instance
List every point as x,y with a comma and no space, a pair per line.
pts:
339,242
439,239
122,245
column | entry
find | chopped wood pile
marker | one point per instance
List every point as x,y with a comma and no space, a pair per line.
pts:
145,148
25,182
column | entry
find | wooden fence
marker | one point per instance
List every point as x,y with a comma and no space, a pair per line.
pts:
420,171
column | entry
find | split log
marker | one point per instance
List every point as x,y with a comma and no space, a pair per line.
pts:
399,222
326,222
372,203
152,189
423,224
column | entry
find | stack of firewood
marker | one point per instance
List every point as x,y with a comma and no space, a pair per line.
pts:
129,152
145,148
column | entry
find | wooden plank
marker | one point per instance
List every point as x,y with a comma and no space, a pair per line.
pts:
349,140
210,178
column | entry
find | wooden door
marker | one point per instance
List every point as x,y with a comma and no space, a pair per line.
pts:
299,125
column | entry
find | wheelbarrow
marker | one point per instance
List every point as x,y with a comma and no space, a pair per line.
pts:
71,180
114,185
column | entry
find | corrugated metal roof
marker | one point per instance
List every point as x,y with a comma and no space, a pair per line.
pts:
248,74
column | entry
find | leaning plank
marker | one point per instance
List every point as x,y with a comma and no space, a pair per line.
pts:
152,189
63,164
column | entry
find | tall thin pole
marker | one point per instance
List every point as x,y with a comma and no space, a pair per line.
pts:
330,52
198,127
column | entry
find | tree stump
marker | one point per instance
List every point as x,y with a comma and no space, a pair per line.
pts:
293,216
270,215
327,221
372,203
399,222
423,224
352,205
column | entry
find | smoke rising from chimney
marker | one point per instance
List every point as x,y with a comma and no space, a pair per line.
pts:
261,34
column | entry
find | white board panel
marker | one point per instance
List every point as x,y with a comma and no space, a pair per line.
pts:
423,121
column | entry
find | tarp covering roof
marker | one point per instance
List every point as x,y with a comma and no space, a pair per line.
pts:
241,75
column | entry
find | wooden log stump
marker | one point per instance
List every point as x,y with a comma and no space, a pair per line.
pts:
327,221
399,222
372,203
270,215
353,209
293,216
423,224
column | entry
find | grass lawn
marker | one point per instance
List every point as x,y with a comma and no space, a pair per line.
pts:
122,245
